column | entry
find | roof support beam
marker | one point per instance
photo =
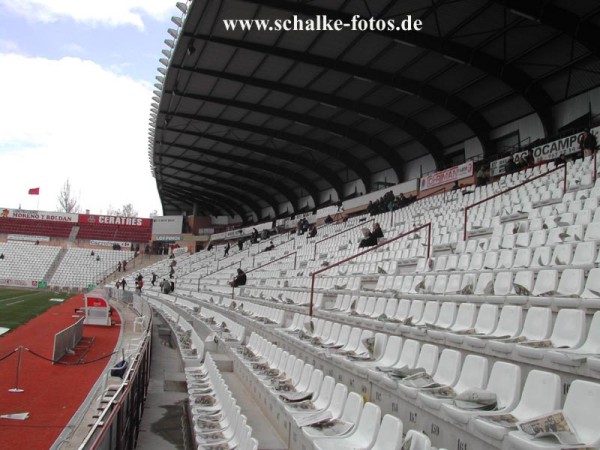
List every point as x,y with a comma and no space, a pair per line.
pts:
408,125
301,181
224,196
223,201
239,190
352,162
518,80
328,175
558,18
460,109
253,176
375,145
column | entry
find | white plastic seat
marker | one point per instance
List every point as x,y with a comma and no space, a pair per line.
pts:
474,374
585,255
417,441
570,287
505,382
390,355
352,410
522,258
536,327
578,355
363,435
541,394
592,231
509,325
446,373
591,292
445,319
582,407
407,360
545,286
541,257
568,332
486,322
389,436
334,404
523,280
463,321
505,259
430,314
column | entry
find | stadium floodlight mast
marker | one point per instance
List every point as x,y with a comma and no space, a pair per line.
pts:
174,33
170,43
167,53
162,71
177,21
164,62
182,7
160,78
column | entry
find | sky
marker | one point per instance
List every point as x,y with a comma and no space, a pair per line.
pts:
76,82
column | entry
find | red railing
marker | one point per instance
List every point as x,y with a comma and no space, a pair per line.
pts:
362,224
389,241
467,208
275,260
431,194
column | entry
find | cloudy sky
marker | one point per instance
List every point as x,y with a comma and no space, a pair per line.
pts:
76,81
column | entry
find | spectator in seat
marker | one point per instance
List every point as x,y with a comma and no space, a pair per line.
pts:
328,220
226,250
482,176
269,247
370,237
560,160
312,231
123,283
97,257
587,143
240,244
153,281
239,280
124,265
92,254
165,286
118,284
172,284
1,255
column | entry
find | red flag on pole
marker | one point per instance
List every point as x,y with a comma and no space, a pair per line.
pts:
34,191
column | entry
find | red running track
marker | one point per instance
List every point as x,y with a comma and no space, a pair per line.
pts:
52,392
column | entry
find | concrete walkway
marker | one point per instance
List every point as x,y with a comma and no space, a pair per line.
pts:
164,422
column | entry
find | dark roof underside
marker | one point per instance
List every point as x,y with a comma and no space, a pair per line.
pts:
253,119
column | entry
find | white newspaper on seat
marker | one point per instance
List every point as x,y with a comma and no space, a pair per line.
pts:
333,427
476,399
310,419
553,424
296,396
503,420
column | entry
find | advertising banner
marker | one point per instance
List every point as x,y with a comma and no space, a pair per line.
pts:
447,176
167,225
498,167
115,220
21,283
38,215
564,146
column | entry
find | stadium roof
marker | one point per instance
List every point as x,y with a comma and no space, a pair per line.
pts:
244,120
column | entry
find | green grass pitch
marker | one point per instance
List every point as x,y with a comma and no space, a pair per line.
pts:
18,306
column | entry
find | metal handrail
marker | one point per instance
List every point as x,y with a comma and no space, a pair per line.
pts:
362,224
389,241
498,194
275,260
